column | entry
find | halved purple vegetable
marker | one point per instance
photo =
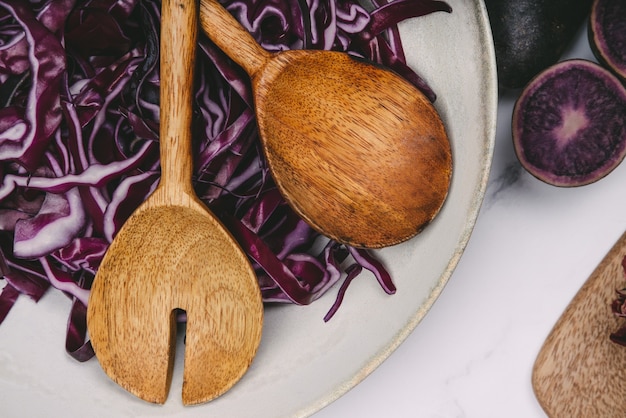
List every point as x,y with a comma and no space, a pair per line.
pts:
569,124
607,34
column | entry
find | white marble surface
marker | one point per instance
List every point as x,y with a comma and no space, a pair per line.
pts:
533,246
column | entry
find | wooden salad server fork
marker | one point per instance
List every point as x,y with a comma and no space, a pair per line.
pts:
173,253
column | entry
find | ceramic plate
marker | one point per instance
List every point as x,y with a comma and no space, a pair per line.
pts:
303,363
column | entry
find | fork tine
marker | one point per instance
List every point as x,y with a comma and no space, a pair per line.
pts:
221,341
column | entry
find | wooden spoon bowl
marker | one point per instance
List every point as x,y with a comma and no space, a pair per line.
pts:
358,152
579,371
173,253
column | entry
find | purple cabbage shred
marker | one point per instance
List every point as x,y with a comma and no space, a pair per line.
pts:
79,122
618,307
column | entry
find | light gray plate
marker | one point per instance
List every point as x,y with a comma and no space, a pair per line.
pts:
303,363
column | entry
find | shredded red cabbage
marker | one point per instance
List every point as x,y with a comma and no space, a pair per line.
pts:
79,116
618,307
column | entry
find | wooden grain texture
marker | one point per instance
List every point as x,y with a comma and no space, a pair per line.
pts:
357,151
172,253
579,372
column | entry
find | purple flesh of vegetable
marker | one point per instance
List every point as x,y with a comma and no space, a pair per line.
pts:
607,34
569,124
79,123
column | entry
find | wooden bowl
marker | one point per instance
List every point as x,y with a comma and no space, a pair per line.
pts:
579,371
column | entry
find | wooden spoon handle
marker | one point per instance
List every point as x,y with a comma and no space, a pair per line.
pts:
179,33
232,38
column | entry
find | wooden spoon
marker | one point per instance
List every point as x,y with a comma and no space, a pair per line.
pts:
173,253
579,371
357,151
